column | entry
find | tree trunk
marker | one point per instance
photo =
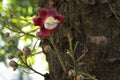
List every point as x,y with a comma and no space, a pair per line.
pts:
95,25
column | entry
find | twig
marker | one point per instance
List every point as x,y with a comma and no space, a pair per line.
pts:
27,72
31,67
89,76
80,57
19,30
35,44
113,11
36,53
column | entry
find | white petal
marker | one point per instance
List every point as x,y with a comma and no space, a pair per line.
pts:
51,23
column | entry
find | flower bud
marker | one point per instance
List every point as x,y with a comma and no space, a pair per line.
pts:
7,34
47,48
80,77
14,68
19,53
26,51
71,73
13,64
10,56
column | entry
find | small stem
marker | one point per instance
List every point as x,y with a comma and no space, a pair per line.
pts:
113,11
90,77
19,37
36,53
17,28
21,32
69,64
75,69
80,57
70,45
35,44
58,55
25,62
27,72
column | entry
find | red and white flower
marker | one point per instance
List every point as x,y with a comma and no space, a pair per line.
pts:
48,21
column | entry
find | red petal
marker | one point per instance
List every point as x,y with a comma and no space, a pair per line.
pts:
38,21
44,33
43,13
60,18
52,12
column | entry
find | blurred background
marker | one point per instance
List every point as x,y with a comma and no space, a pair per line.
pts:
16,32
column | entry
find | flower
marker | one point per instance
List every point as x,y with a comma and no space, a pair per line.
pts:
48,21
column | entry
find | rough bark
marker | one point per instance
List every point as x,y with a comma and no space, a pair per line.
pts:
95,24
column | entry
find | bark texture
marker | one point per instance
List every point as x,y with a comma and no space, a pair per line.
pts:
95,24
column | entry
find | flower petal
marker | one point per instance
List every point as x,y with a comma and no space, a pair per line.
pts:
44,33
43,13
38,21
60,18
52,12
54,29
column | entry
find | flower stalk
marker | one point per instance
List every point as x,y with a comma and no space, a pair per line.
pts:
58,54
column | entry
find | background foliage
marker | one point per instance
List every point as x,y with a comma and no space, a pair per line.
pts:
16,19
17,31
